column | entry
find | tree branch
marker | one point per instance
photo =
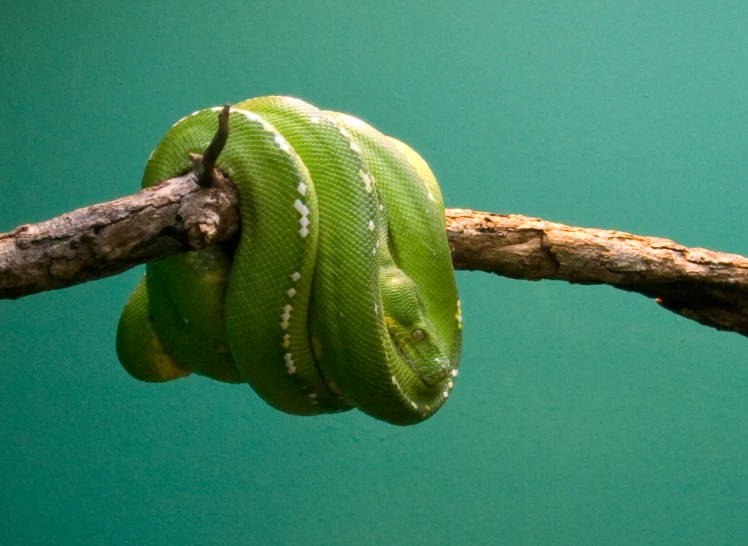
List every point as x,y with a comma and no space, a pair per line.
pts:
708,287
178,216
103,240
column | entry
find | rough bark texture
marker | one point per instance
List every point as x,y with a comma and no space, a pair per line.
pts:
176,216
708,287
109,238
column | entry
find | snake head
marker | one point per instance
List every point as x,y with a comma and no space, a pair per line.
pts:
410,330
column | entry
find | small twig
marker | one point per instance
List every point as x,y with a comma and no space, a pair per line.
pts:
204,165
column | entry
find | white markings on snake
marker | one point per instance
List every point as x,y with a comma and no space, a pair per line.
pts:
251,116
286,316
290,368
367,181
355,122
371,225
301,188
304,221
283,144
296,276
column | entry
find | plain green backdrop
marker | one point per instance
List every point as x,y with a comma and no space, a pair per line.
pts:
581,415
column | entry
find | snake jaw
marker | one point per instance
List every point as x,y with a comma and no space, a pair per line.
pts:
434,376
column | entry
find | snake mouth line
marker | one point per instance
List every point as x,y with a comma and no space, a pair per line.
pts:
403,354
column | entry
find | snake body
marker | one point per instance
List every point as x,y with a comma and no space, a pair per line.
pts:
339,292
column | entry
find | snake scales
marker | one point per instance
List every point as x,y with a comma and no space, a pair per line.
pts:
339,291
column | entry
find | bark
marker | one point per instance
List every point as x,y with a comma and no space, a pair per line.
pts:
109,238
178,215
702,285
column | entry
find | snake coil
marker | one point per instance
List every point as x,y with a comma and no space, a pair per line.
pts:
339,292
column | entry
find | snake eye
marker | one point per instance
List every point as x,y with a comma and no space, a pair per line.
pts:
418,335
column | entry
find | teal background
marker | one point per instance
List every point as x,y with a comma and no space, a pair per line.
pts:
582,415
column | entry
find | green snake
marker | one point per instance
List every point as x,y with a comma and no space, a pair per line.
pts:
339,291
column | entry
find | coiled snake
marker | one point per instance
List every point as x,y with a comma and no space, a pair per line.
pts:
340,291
